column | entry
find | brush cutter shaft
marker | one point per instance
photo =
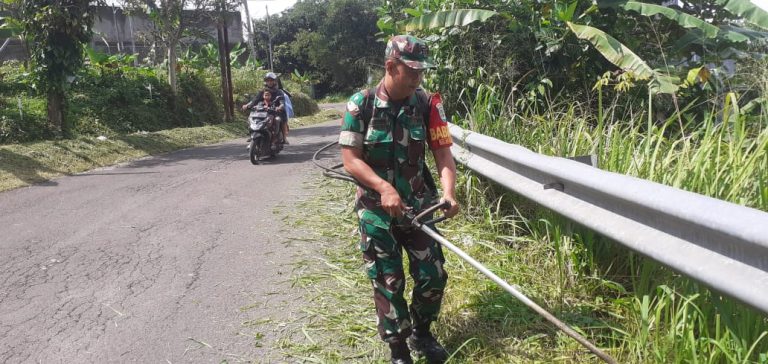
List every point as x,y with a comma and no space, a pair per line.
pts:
507,287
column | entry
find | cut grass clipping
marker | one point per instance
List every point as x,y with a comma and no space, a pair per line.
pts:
479,322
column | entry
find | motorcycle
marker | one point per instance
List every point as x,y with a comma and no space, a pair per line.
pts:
264,130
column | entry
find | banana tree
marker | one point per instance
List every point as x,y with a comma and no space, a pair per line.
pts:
435,20
446,19
624,58
699,31
747,10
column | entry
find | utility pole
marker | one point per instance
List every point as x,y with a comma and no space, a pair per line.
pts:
133,41
269,37
226,73
117,30
249,26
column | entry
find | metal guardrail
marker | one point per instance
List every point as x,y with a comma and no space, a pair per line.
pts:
718,243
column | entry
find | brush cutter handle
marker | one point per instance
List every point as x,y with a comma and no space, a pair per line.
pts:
428,211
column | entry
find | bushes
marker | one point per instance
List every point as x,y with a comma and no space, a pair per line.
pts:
22,115
247,82
303,105
111,101
25,123
120,102
197,104
107,102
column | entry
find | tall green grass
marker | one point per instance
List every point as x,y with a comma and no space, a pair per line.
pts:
724,160
658,316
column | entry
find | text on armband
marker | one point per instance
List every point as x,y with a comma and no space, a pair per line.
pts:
440,133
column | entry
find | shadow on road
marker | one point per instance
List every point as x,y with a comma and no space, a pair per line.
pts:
89,173
26,169
303,152
306,142
295,154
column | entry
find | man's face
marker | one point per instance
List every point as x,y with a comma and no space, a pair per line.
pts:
406,78
270,82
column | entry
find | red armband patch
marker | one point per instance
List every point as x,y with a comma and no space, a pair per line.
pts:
439,137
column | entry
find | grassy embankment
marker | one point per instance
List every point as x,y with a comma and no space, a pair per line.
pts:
28,163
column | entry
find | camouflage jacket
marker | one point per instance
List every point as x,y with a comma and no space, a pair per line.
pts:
393,146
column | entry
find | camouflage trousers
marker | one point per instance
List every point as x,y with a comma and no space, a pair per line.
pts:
382,244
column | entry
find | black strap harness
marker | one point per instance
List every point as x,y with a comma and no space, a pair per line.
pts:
422,107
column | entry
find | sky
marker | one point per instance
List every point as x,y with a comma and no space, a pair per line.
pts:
258,11
761,3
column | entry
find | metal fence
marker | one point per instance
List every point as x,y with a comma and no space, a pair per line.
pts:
718,243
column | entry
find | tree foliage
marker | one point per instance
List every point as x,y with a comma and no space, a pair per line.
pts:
175,19
533,49
57,31
333,42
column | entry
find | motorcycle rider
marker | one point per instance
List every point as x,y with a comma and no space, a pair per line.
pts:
268,103
271,83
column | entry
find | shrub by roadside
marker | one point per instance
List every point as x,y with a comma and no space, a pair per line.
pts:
124,100
303,105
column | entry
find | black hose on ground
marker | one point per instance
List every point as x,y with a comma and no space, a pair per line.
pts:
333,172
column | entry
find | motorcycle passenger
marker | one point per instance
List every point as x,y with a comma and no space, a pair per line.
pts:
267,104
271,83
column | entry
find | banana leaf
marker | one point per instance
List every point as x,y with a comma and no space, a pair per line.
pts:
749,34
690,38
447,19
758,103
747,10
623,57
728,33
684,20
9,27
97,58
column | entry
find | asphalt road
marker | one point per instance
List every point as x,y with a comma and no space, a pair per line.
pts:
172,259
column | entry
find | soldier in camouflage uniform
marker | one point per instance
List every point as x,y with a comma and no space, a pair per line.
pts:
386,154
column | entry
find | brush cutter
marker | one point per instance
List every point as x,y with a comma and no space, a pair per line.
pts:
415,219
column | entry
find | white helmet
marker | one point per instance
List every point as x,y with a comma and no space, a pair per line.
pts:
270,76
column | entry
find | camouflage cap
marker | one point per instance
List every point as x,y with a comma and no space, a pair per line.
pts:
410,50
